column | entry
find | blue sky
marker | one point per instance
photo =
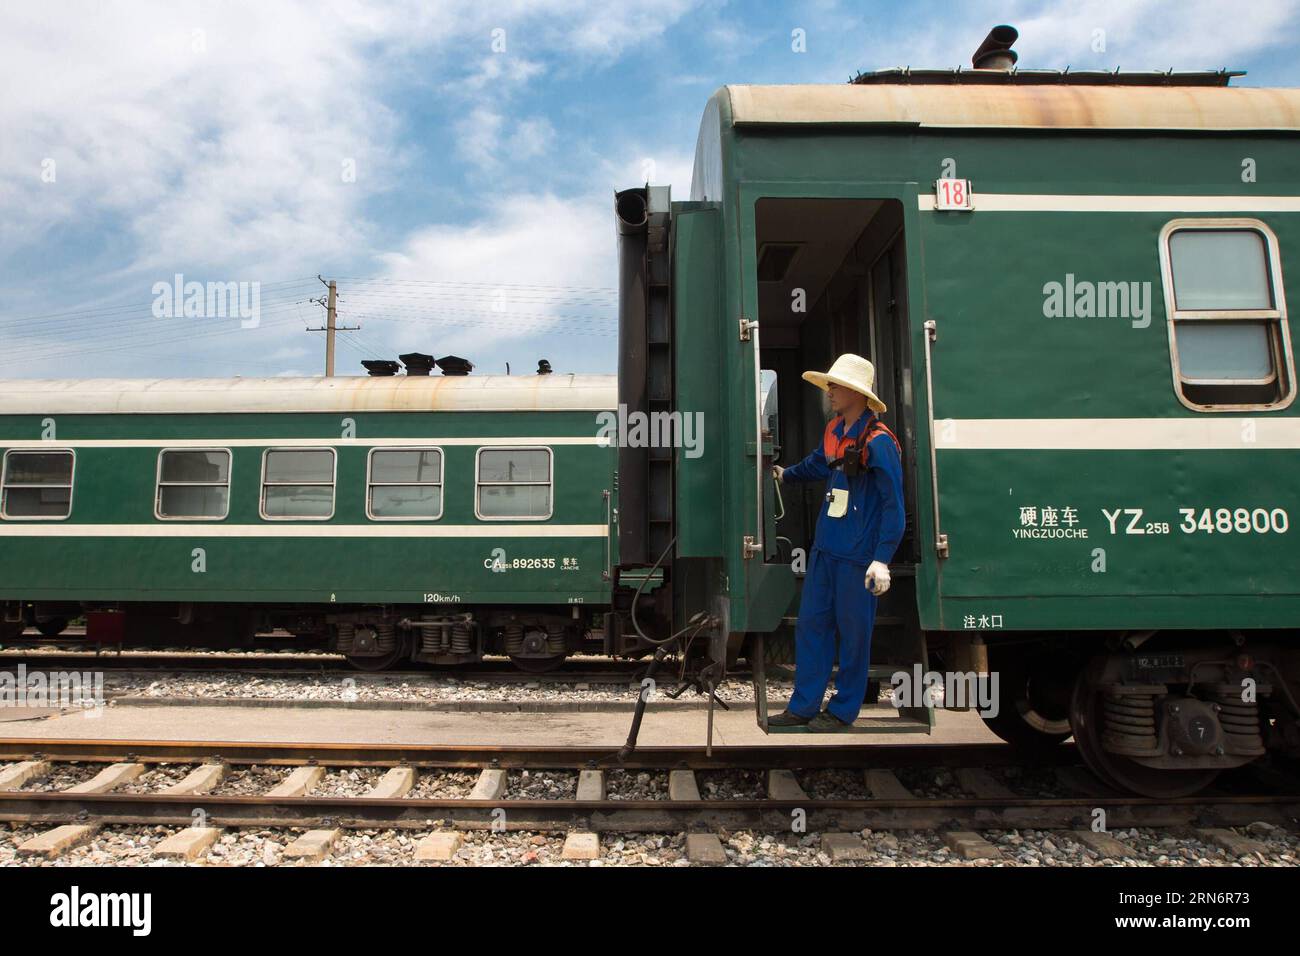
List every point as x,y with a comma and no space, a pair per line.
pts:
451,164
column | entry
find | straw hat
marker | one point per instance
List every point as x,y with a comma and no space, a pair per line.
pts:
851,371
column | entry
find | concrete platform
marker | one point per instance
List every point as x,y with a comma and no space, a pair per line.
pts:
662,727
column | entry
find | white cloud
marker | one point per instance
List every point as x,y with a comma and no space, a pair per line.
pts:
487,139
219,140
219,133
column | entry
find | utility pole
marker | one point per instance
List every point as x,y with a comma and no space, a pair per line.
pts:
331,327
331,324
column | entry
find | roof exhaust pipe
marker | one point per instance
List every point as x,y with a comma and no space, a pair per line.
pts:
380,368
995,52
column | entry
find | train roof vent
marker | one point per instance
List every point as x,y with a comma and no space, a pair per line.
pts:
380,368
454,365
543,367
995,52
417,363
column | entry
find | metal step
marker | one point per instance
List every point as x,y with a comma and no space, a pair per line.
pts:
880,719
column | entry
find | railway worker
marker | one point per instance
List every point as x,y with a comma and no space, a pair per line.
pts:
860,525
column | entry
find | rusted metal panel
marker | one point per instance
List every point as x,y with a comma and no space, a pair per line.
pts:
415,393
1020,107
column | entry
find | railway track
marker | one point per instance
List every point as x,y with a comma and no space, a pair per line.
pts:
296,795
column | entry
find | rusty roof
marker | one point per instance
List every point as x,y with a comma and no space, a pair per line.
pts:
1064,107
400,393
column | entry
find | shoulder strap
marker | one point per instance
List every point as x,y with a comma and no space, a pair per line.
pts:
832,447
880,428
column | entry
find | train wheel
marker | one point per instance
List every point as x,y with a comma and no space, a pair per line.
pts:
1118,771
52,626
381,662
1033,699
538,665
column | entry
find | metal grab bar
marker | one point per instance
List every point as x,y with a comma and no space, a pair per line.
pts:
608,573
753,544
940,539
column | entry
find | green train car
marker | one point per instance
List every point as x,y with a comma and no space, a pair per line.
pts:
1073,286
429,518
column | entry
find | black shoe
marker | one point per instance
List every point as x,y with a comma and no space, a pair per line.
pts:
787,719
827,723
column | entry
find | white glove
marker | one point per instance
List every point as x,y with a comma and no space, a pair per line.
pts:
779,472
877,580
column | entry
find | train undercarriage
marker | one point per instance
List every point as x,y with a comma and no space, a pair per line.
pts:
371,637
1156,713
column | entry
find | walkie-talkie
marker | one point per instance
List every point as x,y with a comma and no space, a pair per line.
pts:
852,460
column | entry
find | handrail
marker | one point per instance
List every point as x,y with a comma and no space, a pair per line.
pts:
940,539
753,545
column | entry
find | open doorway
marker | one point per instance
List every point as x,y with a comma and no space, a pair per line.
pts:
831,279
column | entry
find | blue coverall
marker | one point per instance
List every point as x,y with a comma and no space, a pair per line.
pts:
834,592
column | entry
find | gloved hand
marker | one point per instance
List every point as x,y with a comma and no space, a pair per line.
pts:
877,579
779,472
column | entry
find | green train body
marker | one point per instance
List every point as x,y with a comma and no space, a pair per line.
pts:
1029,411
536,571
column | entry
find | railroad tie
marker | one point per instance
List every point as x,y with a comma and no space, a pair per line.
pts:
782,785
440,847
491,785
298,783
1234,843
591,785
110,778
580,846
312,845
981,784
705,849
844,847
188,844
883,785
398,782
54,843
682,785
15,776
1103,844
199,780
970,845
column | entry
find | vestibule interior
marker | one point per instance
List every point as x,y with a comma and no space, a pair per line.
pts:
831,279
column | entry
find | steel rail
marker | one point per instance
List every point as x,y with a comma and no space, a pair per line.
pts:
793,756
495,672
640,815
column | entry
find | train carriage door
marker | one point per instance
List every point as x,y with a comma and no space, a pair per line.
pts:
831,278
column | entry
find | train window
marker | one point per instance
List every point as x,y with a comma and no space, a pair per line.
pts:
298,483
193,484
1228,333
37,484
404,484
513,483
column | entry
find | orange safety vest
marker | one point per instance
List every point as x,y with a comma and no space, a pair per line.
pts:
836,449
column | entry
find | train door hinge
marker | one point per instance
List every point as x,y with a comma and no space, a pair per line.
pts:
745,326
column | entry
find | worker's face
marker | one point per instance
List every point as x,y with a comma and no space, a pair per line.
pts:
844,399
